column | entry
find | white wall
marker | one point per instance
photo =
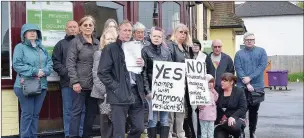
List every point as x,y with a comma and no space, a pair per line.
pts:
279,35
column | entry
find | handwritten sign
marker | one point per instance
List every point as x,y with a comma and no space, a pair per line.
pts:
168,86
197,85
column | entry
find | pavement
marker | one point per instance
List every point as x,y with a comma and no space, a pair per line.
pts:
280,115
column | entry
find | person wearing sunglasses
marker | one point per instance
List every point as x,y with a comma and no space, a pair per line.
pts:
180,50
250,63
79,64
218,62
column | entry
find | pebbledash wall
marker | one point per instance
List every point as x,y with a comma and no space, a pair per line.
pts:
16,14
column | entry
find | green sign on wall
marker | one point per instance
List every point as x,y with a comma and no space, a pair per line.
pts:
51,17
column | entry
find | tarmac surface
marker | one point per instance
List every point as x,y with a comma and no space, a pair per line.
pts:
280,115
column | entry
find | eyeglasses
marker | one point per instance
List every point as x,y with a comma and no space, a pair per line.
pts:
86,25
249,40
217,46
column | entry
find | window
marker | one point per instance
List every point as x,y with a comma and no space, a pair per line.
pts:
102,11
6,70
148,14
170,15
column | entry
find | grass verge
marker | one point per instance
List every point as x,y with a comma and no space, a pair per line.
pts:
293,77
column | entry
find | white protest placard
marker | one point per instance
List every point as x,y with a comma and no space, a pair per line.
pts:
197,85
168,86
132,51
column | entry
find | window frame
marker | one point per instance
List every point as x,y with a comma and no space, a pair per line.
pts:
9,45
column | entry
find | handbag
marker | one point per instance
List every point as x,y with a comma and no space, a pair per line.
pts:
255,97
104,107
32,86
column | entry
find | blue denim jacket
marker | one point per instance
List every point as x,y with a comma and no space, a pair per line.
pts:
251,62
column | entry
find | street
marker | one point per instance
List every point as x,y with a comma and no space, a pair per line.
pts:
281,114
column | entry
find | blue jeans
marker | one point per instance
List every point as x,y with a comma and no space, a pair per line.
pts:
163,119
67,107
30,109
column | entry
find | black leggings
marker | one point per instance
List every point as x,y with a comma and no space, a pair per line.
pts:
223,131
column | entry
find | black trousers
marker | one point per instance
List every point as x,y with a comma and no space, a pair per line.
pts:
223,131
253,117
91,110
136,113
106,126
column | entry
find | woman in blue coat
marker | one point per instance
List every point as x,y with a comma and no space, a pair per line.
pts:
30,61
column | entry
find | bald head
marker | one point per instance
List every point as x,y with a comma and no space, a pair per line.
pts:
217,47
71,28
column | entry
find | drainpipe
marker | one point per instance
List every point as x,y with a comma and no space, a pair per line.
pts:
190,18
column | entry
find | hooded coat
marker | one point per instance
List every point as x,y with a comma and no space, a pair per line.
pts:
26,59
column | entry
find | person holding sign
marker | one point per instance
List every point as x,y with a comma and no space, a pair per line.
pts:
155,52
125,90
207,113
179,49
231,108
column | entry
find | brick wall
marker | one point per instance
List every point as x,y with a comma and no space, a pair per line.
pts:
10,113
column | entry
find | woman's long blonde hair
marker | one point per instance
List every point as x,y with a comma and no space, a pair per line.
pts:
188,40
111,31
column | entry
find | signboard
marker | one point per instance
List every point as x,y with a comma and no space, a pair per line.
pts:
197,85
207,46
168,86
51,18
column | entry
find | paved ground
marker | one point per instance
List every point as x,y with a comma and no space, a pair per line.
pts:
281,114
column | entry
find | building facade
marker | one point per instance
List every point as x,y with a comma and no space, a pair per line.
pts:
165,14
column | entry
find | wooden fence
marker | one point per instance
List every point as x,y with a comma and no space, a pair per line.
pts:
293,64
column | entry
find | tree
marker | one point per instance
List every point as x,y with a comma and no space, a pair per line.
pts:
300,4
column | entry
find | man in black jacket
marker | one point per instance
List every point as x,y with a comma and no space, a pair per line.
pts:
125,90
218,62
59,60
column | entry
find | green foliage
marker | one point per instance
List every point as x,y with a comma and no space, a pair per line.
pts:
294,77
300,4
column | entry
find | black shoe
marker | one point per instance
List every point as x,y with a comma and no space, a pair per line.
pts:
152,132
164,131
67,137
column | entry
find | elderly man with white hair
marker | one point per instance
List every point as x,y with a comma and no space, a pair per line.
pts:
250,63
139,33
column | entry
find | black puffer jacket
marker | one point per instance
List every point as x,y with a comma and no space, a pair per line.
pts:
149,54
79,61
59,58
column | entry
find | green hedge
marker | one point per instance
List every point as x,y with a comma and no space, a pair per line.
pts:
294,76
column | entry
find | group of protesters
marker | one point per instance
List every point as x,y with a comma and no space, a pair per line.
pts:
94,80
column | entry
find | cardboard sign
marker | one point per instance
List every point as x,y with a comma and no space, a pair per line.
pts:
197,85
168,86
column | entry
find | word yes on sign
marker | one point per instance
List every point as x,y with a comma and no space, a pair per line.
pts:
168,86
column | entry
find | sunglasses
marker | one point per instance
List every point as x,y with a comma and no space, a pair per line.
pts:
217,46
183,32
86,25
